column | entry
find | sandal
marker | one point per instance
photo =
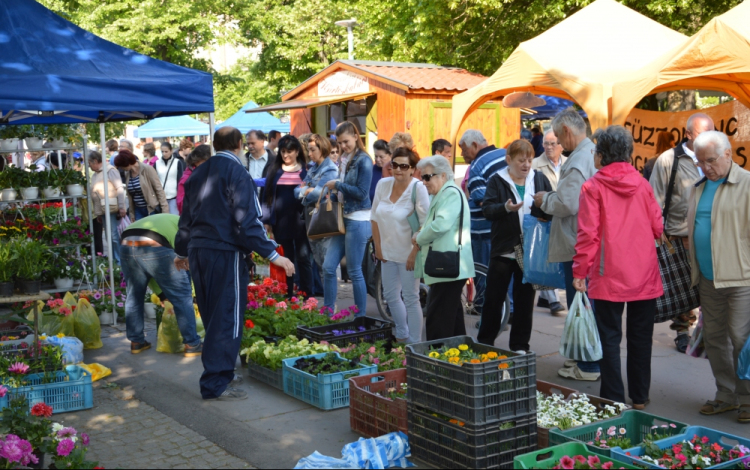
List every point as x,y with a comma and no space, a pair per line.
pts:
716,407
744,416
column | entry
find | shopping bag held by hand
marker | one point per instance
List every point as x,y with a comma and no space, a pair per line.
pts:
536,269
277,273
168,338
743,365
580,338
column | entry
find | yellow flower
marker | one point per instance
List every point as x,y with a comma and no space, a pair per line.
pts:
60,335
434,354
453,352
491,355
463,347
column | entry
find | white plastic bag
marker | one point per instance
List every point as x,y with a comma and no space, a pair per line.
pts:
580,339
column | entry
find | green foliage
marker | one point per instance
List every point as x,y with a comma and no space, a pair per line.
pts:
33,258
270,355
35,429
8,257
112,130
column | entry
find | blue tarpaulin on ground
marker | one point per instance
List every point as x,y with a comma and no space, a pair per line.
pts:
245,122
172,126
52,71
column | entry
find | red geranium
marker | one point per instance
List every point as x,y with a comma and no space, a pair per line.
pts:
249,324
295,307
270,303
268,281
41,410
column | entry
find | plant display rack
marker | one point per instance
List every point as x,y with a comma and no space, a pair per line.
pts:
65,390
472,393
547,458
446,444
637,425
376,330
324,391
372,414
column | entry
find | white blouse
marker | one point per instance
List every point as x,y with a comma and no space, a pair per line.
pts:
395,232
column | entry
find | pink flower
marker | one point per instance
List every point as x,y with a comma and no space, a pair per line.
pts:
611,431
593,460
354,309
18,368
65,447
404,362
3,391
681,458
85,439
580,459
705,439
123,284
66,432
607,465
294,299
567,463
376,361
372,350
281,305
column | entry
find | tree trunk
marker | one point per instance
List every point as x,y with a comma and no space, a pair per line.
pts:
681,100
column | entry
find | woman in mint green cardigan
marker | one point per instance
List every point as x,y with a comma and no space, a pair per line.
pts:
445,317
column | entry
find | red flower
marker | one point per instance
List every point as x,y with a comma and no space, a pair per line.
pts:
250,297
275,290
41,410
295,307
270,303
268,281
249,324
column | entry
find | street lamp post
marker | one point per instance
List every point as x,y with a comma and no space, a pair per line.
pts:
349,24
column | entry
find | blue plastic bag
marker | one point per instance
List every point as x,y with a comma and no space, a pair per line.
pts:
743,364
536,269
72,348
388,451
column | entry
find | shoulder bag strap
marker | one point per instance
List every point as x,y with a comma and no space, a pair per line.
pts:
414,196
460,219
670,187
166,177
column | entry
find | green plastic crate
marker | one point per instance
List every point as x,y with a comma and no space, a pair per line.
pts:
638,424
547,458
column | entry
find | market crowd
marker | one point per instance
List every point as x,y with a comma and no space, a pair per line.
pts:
207,214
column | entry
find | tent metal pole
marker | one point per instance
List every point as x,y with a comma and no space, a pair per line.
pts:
90,203
211,130
107,225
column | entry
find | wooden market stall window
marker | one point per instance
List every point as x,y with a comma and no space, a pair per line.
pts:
353,111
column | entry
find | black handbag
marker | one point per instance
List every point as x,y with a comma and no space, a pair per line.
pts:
326,220
446,264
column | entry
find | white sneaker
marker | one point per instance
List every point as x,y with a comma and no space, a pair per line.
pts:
570,363
521,353
577,374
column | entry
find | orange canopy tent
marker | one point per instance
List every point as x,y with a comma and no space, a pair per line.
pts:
579,59
716,58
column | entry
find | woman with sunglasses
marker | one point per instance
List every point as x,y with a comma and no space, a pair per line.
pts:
353,188
447,228
396,198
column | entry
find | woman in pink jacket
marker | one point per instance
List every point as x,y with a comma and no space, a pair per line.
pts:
618,223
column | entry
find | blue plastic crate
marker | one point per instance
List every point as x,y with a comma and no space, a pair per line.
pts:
71,390
727,441
326,391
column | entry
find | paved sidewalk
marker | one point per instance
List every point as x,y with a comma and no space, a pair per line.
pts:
128,433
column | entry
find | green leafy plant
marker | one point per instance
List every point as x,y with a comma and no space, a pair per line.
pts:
33,258
34,427
65,264
270,355
329,364
70,176
8,260
67,132
13,132
381,354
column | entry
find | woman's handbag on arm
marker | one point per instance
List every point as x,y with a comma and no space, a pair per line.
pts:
446,264
327,219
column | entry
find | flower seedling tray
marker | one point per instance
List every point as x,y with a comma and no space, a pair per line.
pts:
549,389
69,390
547,458
324,391
637,425
726,440
446,444
269,377
372,414
372,330
472,393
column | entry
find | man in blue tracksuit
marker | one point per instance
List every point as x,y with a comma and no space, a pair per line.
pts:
218,227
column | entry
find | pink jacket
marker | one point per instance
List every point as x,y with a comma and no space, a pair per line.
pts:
181,188
618,221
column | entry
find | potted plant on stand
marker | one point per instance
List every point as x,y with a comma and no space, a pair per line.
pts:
49,182
9,137
12,178
30,183
66,269
73,181
33,260
61,136
8,257
34,137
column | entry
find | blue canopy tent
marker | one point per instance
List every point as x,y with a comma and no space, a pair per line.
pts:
53,72
245,122
173,126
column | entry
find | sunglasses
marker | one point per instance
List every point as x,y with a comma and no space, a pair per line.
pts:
400,166
427,177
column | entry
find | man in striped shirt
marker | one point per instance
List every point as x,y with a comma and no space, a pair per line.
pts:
486,160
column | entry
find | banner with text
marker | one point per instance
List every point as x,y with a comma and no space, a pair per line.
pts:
732,118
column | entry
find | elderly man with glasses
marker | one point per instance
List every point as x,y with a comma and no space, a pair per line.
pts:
718,226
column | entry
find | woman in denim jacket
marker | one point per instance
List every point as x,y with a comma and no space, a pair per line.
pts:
321,171
353,186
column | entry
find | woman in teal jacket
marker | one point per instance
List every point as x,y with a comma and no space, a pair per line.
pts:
445,317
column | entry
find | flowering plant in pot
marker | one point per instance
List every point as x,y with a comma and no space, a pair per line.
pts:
65,269
101,300
70,232
8,258
32,426
70,448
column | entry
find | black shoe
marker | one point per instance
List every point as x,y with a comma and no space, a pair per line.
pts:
543,303
682,342
137,348
556,307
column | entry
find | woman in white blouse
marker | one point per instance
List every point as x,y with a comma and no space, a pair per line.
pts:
397,199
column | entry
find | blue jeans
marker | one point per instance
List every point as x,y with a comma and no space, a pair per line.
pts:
113,222
570,292
481,246
140,212
352,245
143,263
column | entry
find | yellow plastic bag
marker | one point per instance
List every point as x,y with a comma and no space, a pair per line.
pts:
69,299
87,326
169,339
199,323
97,371
53,325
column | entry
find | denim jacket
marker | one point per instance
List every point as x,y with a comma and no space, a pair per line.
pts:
317,176
356,184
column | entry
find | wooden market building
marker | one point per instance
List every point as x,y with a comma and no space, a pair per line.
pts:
383,98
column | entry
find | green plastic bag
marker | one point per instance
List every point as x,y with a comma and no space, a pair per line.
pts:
169,339
580,339
87,326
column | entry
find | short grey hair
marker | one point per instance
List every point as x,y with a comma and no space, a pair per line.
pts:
718,140
439,165
472,136
614,144
698,116
128,143
571,119
550,131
